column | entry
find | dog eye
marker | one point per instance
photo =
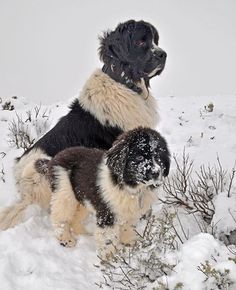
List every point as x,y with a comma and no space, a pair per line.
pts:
140,43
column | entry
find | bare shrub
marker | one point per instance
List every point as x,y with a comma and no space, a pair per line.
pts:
164,286
196,194
19,135
2,174
8,106
215,279
138,266
39,119
23,133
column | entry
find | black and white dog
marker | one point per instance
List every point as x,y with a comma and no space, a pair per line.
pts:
118,185
113,100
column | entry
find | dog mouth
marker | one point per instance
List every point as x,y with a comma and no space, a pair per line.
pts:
154,186
155,179
157,71
145,184
152,183
159,60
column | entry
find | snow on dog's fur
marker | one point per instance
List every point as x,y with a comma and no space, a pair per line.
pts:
113,100
118,185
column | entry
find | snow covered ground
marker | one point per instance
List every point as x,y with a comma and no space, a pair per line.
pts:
31,258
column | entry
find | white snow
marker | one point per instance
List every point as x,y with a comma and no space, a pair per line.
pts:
201,248
224,218
30,256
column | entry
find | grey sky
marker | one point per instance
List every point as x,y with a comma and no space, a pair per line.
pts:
48,48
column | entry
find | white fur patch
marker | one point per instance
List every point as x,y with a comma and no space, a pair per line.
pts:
112,102
155,71
124,202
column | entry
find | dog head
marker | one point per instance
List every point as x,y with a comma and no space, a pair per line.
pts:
132,52
139,156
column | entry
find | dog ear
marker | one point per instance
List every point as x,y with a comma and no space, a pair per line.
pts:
114,45
162,153
159,150
111,48
116,158
105,52
155,34
165,162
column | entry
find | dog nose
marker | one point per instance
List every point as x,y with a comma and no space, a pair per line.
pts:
153,175
160,54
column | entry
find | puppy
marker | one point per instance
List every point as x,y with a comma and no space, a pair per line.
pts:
115,99
118,186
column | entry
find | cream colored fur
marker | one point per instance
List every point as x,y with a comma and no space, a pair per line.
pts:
32,186
66,212
107,241
127,204
114,103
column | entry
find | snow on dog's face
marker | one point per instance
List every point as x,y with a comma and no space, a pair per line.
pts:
139,156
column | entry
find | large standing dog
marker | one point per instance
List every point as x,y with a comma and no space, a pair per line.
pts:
113,100
118,185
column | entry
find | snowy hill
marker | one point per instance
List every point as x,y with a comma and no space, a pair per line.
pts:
31,258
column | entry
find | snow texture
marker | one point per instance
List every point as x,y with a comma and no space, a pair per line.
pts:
31,257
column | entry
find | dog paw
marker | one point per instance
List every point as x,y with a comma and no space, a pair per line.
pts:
108,252
68,243
129,243
64,235
128,236
106,255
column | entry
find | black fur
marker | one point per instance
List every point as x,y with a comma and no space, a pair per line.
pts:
131,159
129,55
77,128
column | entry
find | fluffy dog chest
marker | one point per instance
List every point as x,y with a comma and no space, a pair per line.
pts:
130,207
114,104
126,204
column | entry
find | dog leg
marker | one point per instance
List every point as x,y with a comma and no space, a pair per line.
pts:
127,234
63,208
64,235
76,224
107,240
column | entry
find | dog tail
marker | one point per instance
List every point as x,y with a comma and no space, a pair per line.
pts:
13,215
34,188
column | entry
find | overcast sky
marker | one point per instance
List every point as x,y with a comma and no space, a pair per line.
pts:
48,48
